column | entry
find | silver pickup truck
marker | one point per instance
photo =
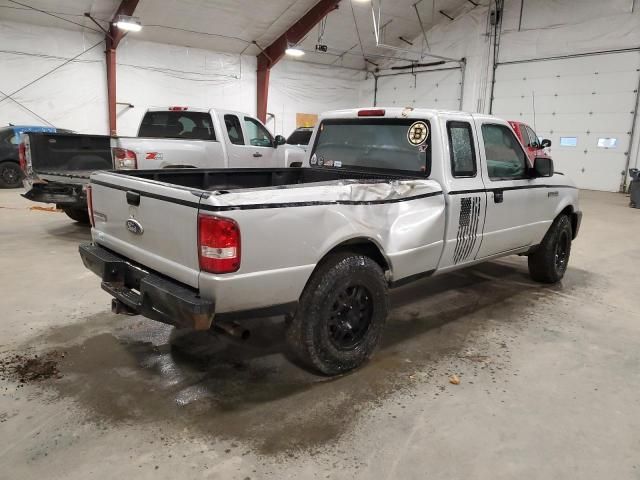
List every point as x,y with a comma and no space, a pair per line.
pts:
392,195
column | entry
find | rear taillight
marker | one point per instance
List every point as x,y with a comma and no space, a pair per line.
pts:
22,157
124,159
90,205
371,112
177,109
218,244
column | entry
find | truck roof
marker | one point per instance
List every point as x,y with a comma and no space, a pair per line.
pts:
397,112
187,108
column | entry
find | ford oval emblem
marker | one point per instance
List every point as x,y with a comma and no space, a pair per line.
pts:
134,226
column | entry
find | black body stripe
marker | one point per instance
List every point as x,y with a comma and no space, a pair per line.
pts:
256,206
504,189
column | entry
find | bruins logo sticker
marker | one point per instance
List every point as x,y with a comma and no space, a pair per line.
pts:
418,133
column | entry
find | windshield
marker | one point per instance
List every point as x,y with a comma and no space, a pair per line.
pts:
179,124
300,137
384,144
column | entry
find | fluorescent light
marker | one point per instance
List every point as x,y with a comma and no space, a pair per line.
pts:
132,24
294,52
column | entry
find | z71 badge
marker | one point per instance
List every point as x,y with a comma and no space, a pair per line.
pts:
418,133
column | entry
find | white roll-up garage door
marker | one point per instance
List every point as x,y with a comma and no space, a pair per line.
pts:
584,105
426,89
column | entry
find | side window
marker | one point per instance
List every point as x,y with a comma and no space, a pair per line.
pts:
525,135
463,157
533,138
258,135
234,129
505,158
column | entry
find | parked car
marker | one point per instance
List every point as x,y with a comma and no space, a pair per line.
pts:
300,137
296,146
534,146
390,197
10,138
57,167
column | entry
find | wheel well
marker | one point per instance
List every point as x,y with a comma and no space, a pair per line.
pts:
362,246
568,211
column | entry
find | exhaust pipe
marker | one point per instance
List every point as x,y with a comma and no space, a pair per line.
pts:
233,329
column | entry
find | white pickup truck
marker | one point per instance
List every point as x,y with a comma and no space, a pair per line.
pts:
178,137
57,166
392,196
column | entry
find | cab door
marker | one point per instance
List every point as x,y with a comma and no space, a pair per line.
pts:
466,196
258,149
509,224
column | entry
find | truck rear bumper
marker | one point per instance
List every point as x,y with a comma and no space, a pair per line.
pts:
64,195
147,293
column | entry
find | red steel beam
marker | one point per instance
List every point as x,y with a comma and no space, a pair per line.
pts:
274,52
127,7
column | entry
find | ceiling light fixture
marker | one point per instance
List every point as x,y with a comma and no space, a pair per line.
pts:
125,22
294,51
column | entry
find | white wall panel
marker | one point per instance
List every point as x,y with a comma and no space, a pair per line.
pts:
71,97
298,87
588,98
427,89
159,75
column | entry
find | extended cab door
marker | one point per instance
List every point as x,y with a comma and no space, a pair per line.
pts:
251,144
466,197
509,223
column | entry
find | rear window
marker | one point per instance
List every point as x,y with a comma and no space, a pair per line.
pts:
382,143
300,137
184,125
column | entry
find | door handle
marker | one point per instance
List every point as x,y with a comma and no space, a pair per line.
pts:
498,196
257,154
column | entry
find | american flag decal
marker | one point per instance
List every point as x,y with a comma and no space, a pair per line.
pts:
467,228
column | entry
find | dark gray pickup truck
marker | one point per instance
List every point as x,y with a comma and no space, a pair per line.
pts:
57,167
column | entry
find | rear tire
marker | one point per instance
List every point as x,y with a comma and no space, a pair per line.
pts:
548,263
10,175
80,215
341,314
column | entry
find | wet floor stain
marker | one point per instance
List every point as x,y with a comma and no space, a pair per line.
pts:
130,370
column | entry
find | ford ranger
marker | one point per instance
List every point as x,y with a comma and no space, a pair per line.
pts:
392,195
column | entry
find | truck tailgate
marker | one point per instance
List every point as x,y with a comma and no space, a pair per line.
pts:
154,153
152,223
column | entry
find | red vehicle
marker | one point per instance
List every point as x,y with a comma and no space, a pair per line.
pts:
534,146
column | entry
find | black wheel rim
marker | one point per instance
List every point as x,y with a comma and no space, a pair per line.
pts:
562,251
9,174
350,317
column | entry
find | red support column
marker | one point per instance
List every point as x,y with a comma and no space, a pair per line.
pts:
127,7
274,52
263,91
111,88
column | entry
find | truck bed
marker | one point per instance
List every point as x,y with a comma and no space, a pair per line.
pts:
69,155
243,178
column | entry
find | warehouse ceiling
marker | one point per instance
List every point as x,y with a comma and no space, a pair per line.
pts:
232,25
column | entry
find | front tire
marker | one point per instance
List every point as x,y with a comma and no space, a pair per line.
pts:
548,263
341,314
79,215
10,175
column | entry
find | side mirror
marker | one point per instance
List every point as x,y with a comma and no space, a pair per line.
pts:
545,143
542,167
279,140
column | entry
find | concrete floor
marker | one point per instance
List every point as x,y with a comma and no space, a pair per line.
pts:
550,376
